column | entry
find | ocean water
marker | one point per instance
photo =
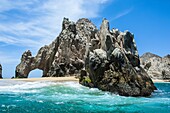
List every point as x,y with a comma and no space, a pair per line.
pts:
70,97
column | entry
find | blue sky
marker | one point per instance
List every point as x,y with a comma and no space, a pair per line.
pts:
30,24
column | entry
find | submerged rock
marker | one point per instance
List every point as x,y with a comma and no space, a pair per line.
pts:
105,59
0,71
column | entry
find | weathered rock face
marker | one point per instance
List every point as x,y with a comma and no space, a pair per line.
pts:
64,56
114,64
107,59
0,71
157,67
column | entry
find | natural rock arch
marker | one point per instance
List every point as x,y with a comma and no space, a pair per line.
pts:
64,56
36,73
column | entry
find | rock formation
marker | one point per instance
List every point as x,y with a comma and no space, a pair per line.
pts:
0,71
114,65
107,59
157,67
64,56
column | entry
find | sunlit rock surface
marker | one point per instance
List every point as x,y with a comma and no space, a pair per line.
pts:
157,67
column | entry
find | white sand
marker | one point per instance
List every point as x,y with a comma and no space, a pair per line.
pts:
57,79
60,79
156,80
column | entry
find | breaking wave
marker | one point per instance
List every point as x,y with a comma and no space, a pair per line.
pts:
45,96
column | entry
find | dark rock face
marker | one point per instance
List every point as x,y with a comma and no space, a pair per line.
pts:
107,59
114,65
0,71
157,67
64,56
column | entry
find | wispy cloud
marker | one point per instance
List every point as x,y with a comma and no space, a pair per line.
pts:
31,24
34,23
123,13
7,59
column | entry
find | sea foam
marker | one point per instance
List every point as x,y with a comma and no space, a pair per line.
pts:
22,86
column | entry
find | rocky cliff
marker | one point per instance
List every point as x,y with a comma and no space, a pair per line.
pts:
157,67
0,71
107,59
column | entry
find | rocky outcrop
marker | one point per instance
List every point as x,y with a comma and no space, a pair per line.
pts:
0,71
107,59
157,67
114,64
64,56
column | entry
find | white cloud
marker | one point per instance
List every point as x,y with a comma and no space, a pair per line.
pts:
7,5
7,59
34,23
125,12
20,42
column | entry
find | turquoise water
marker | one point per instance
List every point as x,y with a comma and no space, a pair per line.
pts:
70,97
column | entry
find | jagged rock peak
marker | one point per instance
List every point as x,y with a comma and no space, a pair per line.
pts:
114,65
84,20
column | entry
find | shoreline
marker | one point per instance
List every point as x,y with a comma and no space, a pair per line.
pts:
160,81
54,79
62,79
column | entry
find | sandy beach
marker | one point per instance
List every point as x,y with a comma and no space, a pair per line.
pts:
60,79
57,79
157,81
